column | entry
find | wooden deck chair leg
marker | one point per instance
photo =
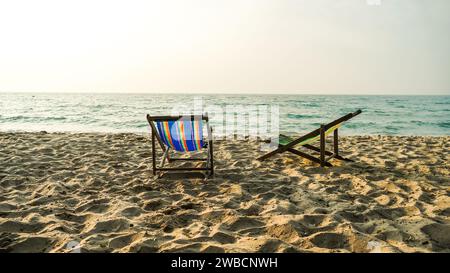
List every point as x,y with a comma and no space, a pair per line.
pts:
153,153
212,159
336,142
322,145
211,151
336,147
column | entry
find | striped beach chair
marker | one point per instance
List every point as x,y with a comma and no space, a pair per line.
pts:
182,134
287,144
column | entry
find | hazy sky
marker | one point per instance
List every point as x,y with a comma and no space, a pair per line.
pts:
261,46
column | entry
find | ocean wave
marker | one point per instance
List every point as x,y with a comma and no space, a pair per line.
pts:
391,128
300,116
32,118
360,125
419,122
310,104
444,124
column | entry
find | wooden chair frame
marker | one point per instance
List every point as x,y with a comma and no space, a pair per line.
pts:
322,159
156,137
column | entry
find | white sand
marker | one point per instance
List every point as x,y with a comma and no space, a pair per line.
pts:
97,190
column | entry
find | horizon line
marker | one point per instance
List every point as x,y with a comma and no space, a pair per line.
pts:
219,93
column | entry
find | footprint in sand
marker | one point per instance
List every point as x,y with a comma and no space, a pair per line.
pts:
131,212
439,233
19,227
252,209
394,213
6,207
114,225
96,206
186,248
212,249
236,223
70,217
122,241
31,245
317,221
155,204
290,232
271,245
146,246
353,216
223,238
445,212
330,240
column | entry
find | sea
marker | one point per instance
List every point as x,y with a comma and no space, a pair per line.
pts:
292,114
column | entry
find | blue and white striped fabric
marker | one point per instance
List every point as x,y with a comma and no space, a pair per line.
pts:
181,135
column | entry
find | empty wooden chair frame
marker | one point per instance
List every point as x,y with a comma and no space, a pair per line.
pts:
182,134
287,144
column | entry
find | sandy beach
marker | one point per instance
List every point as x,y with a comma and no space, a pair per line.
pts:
95,193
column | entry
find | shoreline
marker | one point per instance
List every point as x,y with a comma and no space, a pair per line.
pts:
216,136
96,189
225,94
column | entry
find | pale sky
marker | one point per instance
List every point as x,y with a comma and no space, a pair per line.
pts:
237,46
